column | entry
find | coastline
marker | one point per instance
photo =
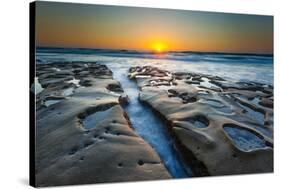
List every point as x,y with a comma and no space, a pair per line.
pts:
81,113
101,150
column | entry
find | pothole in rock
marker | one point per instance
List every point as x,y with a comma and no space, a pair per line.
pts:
264,130
94,115
116,88
253,114
198,121
219,106
186,98
245,139
159,82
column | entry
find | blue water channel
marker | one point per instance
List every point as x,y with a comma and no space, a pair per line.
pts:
151,127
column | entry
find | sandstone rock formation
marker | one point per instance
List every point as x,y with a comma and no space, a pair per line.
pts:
82,133
220,127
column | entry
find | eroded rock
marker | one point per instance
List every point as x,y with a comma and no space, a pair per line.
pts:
220,127
86,137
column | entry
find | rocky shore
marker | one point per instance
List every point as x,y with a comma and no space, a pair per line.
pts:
82,133
220,127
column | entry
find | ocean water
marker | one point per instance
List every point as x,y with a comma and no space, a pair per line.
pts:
151,127
234,67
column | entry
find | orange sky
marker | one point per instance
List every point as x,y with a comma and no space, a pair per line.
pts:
96,26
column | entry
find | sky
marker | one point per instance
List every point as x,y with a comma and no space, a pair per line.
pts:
117,27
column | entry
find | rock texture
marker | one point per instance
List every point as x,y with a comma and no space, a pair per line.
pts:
220,127
82,133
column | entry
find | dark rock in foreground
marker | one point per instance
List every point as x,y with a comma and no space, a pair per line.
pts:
220,127
82,133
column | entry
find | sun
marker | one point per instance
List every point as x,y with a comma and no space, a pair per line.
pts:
159,47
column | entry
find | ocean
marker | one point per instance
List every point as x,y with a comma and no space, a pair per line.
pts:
234,67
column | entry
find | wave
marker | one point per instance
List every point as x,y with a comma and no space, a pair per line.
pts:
191,56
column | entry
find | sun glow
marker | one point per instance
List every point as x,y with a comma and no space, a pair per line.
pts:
159,47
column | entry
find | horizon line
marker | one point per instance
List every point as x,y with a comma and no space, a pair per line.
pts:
168,51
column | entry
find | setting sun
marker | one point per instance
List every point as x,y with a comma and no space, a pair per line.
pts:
159,47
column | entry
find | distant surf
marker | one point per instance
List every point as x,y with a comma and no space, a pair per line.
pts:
234,66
